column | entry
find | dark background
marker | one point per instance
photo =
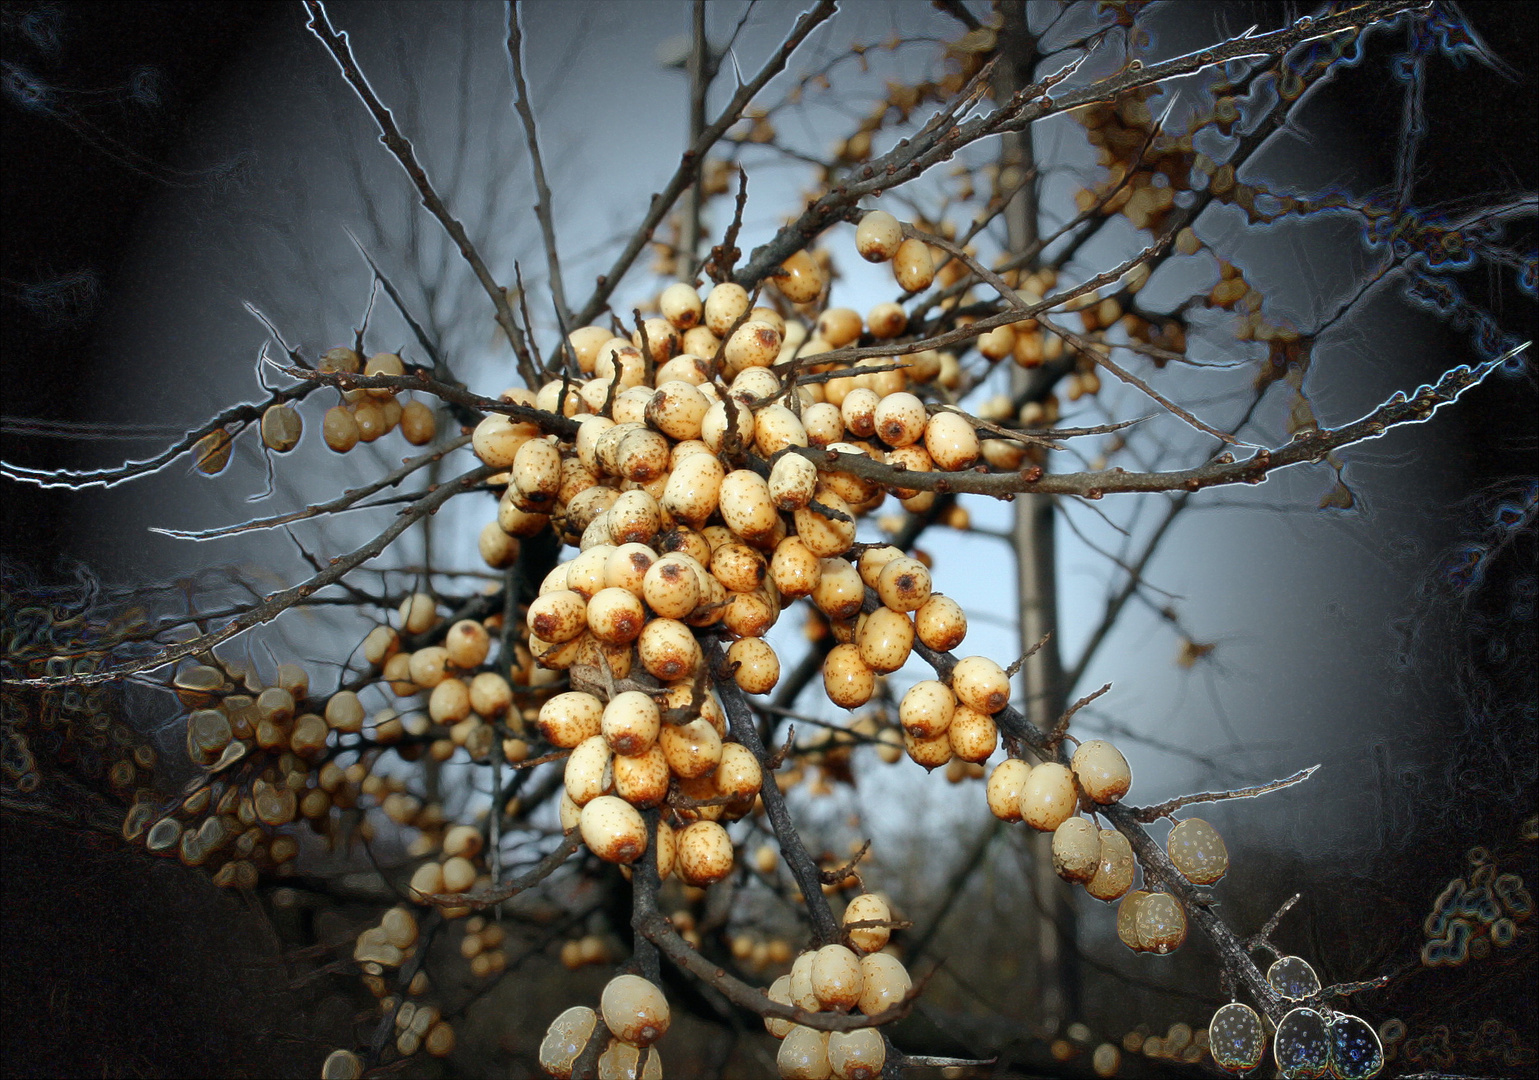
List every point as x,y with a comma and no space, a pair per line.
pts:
120,965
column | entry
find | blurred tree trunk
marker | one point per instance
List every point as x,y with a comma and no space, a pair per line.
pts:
1057,995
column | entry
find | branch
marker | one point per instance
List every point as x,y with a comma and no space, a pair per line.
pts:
658,930
275,604
336,43
803,868
498,893
245,414
913,158
1309,445
1170,806
342,502
695,155
542,208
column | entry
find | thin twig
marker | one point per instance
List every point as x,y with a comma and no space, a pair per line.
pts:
341,51
1170,806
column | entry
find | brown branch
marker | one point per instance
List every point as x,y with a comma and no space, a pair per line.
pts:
341,51
916,157
542,207
548,422
694,157
658,930
1309,445
278,602
803,868
243,415
1170,806
1233,953
347,499
498,893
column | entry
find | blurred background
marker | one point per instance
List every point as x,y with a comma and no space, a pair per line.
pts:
171,164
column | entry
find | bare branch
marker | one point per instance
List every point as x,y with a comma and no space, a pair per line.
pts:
542,208
1170,806
341,51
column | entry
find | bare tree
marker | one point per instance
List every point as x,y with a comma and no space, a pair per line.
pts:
532,745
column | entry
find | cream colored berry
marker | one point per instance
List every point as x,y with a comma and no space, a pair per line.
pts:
668,650
681,305
836,978
1198,851
951,441
1161,923
758,668
567,719
677,409
642,779
904,584
661,337
630,722
884,983
468,644
795,571
826,536
823,424
635,518
428,667
1102,771
931,753
589,772
746,506
1048,797
693,490
888,320
802,280
885,639
755,344
281,428
616,616
418,423
780,993
1127,919
558,616
738,773
671,586
626,567
1004,789
878,236
566,1039
839,592
926,709
642,456
497,439
724,305
940,623
537,474
981,684
868,907
974,735
847,680
1114,872
338,428
803,1055
856,1055
912,266
498,549
704,853
1076,849
693,750
776,428
900,419
801,982
613,829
